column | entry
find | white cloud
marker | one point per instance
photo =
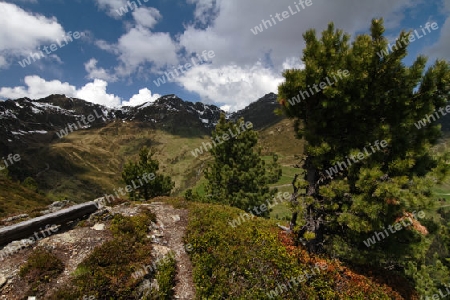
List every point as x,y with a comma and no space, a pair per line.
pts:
140,46
22,31
95,92
225,108
146,16
110,6
245,66
293,63
56,58
145,95
103,45
234,77
97,73
441,49
233,85
3,63
229,35
205,10
36,88
229,24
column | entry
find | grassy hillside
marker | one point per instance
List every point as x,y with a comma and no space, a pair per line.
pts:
16,198
86,164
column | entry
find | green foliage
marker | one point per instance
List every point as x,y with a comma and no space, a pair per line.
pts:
133,228
238,176
430,274
189,195
165,276
274,171
4,173
41,265
108,269
41,268
31,184
250,262
143,174
428,278
381,99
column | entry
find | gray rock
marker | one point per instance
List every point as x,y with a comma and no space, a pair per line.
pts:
153,226
98,227
55,206
59,204
22,216
145,288
3,281
157,233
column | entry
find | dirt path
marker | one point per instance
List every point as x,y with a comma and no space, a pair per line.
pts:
283,185
173,223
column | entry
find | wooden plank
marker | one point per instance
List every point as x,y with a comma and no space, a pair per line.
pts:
27,228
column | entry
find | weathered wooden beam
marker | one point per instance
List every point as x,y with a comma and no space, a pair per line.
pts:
27,228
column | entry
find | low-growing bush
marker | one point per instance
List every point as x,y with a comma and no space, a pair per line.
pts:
42,265
107,272
135,227
252,261
165,276
40,269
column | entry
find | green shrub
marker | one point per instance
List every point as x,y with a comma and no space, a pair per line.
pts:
42,265
152,186
30,184
107,272
134,228
249,261
193,196
40,269
165,276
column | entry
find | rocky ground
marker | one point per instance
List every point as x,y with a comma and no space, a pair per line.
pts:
73,244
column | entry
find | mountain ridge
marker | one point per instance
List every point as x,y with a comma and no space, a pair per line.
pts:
79,142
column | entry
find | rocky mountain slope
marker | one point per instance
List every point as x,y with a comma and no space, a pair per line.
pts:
81,147
25,120
261,112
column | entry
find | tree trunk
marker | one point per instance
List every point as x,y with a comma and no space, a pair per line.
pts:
294,196
312,215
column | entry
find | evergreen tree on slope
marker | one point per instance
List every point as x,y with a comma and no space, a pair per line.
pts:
380,99
238,176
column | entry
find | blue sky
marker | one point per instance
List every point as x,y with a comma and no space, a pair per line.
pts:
119,55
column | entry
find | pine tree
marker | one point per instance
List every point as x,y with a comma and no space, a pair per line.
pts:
357,98
238,176
154,184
